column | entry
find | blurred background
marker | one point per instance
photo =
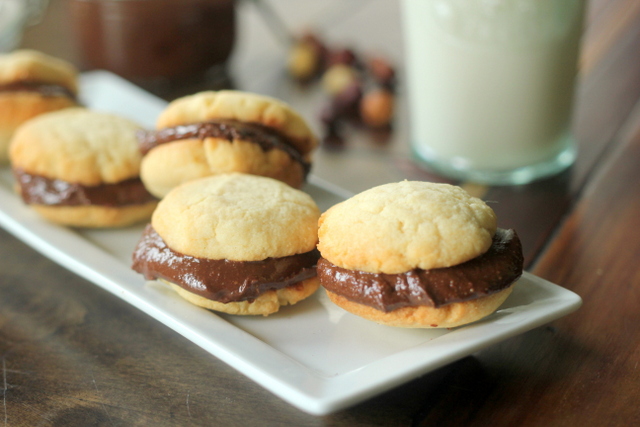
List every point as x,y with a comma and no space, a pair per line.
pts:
264,36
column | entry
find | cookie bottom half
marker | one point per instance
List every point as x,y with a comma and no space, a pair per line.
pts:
267,303
94,216
448,316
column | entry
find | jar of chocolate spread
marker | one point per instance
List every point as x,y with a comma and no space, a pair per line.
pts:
150,40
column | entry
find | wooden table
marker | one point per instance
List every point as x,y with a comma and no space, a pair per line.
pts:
73,354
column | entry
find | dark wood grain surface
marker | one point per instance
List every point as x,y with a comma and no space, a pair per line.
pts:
73,354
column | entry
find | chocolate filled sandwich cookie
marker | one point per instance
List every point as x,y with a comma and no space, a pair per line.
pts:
227,131
418,255
32,83
81,168
234,243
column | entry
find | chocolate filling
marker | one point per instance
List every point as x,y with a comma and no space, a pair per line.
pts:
266,138
489,273
39,190
48,90
220,279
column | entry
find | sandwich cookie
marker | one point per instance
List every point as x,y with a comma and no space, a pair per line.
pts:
417,254
32,83
227,131
81,168
234,243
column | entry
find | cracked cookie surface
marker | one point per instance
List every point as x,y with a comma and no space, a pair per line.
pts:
397,227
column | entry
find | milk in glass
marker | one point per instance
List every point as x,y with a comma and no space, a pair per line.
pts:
491,85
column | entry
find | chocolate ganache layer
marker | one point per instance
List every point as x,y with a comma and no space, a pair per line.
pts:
44,89
39,190
230,130
489,273
220,280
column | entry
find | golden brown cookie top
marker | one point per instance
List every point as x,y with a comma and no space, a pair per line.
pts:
238,217
77,145
241,106
31,66
397,227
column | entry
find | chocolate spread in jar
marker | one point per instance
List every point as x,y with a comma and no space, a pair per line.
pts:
39,190
489,273
44,89
220,280
230,130
144,41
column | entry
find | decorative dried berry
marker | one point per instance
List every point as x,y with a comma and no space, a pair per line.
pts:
382,72
303,62
376,108
337,78
346,102
341,56
314,40
306,58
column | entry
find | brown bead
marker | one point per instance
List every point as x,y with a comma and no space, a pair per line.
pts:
346,103
303,62
337,78
382,71
341,56
376,108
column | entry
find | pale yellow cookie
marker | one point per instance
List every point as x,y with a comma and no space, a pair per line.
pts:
267,303
78,145
80,152
18,106
36,67
237,217
244,107
448,316
169,165
233,217
93,216
172,163
397,227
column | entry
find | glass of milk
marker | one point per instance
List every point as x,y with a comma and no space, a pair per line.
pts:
15,16
491,86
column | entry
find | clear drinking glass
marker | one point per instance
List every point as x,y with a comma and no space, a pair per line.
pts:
15,16
491,86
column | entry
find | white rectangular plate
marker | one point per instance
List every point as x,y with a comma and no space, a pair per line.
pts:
313,355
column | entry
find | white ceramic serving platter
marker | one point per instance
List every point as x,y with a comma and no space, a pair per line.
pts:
313,355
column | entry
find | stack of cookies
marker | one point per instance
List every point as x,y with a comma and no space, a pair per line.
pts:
83,168
73,166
